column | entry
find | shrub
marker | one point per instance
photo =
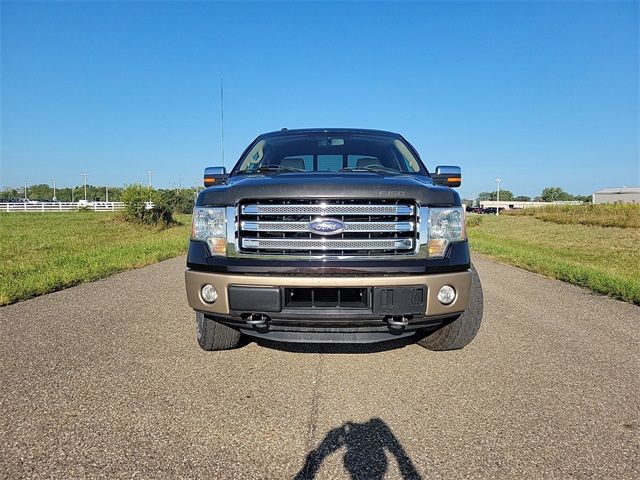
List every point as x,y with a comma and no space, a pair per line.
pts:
135,198
473,220
180,200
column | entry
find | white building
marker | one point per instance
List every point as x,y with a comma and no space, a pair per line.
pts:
620,194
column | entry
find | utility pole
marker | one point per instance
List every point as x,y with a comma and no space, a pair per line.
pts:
150,173
84,176
54,190
498,197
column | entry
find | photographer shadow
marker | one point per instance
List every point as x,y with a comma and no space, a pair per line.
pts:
365,456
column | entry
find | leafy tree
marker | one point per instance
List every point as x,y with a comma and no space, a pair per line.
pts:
553,194
504,195
10,195
522,198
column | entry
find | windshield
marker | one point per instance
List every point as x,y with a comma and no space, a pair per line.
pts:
328,152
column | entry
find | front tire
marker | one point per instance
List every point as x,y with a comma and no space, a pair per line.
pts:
462,330
213,335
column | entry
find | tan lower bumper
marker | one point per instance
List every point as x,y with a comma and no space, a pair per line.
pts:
195,280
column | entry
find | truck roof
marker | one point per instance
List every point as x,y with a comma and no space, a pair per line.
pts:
365,131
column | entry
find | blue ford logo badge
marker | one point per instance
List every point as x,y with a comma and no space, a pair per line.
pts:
326,226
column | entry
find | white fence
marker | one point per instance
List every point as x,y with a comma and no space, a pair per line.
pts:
62,206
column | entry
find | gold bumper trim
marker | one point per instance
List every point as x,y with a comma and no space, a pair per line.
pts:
195,280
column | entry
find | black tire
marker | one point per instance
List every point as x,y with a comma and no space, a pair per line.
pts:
462,330
213,335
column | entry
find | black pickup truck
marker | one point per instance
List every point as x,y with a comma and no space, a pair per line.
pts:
332,235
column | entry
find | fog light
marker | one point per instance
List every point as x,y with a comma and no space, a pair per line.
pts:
447,294
209,293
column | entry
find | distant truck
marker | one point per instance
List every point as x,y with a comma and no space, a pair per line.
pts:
332,235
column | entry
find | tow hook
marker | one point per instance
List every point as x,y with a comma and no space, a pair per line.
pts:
256,319
397,321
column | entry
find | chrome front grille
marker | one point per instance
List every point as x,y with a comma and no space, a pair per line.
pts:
381,228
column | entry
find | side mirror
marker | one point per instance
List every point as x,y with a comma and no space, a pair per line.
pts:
447,175
214,175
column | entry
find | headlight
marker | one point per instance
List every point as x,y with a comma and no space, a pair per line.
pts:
446,225
210,226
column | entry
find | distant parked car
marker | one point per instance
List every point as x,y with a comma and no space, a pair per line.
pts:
490,210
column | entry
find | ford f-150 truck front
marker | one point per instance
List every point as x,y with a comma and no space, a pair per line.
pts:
332,235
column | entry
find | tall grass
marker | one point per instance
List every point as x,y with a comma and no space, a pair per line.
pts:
603,259
603,215
44,252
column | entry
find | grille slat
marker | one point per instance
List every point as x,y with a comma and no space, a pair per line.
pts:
326,244
386,228
326,208
370,226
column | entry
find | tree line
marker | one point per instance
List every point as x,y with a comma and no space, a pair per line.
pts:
549,194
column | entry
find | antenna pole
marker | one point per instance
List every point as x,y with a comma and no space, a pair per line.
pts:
222,121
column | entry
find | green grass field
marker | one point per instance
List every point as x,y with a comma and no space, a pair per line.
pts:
44,252
41,253
603,259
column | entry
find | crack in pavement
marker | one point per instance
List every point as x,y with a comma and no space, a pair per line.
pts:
315,394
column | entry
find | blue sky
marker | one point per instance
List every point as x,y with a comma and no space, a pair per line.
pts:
536,93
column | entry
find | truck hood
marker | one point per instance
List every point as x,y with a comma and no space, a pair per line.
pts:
328,186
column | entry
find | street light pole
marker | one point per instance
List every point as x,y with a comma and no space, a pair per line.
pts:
25,190
150,173
498,197
54,189
106,190
84,176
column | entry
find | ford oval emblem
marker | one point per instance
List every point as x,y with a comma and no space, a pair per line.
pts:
326,226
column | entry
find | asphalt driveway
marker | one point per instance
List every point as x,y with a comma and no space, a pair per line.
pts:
106,380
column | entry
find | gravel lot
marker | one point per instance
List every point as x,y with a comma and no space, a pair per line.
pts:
106,380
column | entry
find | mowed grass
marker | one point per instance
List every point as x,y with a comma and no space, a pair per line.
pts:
603,259
44,252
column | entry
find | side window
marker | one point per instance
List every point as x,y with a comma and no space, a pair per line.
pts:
332,163
254,157
410,162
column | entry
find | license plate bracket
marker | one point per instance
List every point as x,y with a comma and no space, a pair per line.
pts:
405,300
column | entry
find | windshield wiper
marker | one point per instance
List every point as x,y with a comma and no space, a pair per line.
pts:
272,168
371,168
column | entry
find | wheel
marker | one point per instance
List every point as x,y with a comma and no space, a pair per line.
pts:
213,335
462,330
